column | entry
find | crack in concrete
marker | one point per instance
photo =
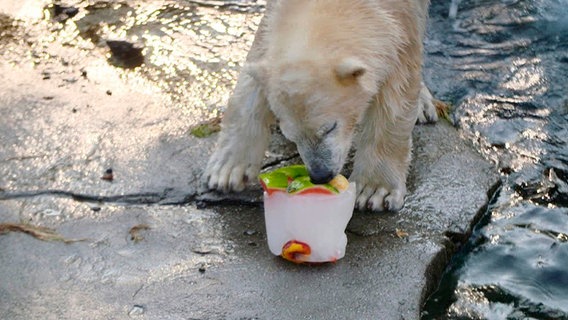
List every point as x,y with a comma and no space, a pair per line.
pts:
166,197
139,198
22,158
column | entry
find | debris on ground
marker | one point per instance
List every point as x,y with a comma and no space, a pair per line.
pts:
135,232
202,250
401,233
41,233
443,110
137,310
108,175
206,128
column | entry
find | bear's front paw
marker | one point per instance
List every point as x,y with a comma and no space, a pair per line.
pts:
378,198
229,171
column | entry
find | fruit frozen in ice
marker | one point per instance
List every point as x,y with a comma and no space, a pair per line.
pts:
305,222
296,251
295,180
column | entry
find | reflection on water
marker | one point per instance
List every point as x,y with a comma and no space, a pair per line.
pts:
508,62
192,50
513,267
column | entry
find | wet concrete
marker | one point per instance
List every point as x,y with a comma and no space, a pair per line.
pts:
69,115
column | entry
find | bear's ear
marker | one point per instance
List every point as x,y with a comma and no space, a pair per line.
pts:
257,70
350,69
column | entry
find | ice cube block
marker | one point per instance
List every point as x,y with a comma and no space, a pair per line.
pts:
308,227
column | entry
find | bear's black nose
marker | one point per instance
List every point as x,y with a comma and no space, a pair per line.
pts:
321,176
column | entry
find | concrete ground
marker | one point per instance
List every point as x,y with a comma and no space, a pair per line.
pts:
152,247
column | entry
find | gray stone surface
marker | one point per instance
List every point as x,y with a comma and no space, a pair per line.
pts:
59,135
214,263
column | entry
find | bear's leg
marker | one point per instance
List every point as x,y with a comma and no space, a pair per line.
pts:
245,129
243,139
384,149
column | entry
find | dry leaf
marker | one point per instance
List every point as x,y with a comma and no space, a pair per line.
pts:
443,109
401,233
206,128
41,233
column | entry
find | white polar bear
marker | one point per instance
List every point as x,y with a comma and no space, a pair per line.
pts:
331,72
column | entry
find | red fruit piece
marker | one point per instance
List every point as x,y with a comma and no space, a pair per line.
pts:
296,251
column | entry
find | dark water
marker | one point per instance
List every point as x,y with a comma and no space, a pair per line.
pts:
504,66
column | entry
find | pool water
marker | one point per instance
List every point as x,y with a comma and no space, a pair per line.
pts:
504,67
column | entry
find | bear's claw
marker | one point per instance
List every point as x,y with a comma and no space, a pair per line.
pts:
426,109
229,177
379,199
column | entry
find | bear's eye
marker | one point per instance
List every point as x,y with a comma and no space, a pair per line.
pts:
327,129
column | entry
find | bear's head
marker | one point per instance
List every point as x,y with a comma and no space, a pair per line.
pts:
318,105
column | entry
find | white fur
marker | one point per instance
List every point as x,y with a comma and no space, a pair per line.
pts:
327,69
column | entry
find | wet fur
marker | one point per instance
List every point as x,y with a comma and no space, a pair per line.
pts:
331,73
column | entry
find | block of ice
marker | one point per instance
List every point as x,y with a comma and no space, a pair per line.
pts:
315,220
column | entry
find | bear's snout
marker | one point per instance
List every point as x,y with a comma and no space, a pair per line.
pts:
321,175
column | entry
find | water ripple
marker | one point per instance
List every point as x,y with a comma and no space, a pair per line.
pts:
507,60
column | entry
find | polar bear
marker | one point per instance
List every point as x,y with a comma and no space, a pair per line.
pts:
331,73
